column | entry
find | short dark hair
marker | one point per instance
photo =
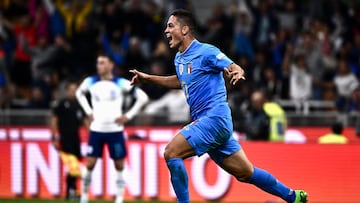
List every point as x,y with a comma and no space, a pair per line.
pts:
70,81
337,128
103,54
185,17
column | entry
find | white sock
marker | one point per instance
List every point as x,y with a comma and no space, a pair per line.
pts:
120,185
86,180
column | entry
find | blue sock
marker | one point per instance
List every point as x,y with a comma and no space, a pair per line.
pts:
267,182
179,179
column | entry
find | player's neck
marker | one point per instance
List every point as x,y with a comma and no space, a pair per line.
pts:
107,76
186,43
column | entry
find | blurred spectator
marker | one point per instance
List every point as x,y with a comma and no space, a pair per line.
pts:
39,14
134,57
285,78
355,109
14,9
84,49
117,48
265,24
266,119
172,106
20,71
270,83
153,91
300,80
244,20
345,83
335,137
41,57
56,21
260,64
61,61
243,45
308,46
3,78
74,14
162,54
3,68
137,19
113,20
220,28
156,21
38,99
288,17
354,61
278,49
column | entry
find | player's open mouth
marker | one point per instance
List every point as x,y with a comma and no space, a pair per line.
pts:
169,38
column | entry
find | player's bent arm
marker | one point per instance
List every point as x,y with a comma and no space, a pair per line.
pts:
80,96
171,82
141,100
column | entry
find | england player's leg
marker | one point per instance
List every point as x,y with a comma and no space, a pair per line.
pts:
118,152
94,150
238,165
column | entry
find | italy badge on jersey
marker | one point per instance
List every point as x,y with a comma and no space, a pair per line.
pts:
188,68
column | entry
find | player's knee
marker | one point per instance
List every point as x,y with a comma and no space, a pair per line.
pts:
244,174
90,163
168,153
119,165
90,166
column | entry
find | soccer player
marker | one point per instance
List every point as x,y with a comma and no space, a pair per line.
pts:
66,119
199,72
107,94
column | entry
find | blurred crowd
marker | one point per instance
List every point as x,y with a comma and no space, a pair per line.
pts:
295,50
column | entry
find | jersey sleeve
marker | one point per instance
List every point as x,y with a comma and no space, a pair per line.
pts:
216,60
81,95
140,96
124,85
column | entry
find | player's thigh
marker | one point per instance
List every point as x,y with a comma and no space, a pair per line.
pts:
116,145
178,147
95,144
238,165
208,133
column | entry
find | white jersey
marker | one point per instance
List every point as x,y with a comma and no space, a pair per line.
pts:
107,99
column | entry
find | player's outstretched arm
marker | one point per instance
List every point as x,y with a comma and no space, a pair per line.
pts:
171,81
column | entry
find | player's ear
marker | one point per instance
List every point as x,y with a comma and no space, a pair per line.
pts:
185,30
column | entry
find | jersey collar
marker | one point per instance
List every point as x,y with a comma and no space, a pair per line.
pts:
190,45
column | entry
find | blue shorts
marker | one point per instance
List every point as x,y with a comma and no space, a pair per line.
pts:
114,140
212,135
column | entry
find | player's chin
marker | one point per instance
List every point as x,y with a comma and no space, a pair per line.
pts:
173,45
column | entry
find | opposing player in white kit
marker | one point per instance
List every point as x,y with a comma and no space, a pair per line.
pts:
107,95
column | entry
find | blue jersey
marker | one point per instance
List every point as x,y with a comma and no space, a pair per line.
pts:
200,72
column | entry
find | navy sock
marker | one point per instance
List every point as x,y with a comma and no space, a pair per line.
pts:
179,179
267,182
